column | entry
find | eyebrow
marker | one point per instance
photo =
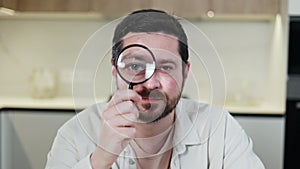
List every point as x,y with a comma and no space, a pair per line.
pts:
164,61
137,58
131,56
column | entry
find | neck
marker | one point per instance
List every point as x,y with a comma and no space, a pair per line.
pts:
145,130
152,137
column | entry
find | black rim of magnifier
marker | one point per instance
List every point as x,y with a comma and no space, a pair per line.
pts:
131,84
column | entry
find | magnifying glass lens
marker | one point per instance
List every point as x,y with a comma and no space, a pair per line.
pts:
136,64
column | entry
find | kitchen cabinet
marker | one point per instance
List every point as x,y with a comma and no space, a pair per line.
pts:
11,4
200,8
117,8
293,7
267,134
245,7
54,5
187,8
27,136
108,8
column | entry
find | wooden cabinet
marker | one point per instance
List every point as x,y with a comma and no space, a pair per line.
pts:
187,8
53,5
199,8
245,7
11,4
117,8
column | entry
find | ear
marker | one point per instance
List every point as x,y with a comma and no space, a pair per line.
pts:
113,71
186,70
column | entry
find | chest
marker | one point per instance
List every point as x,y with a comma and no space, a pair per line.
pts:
183,157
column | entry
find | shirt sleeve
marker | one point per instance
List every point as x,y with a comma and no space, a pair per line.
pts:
238,151
83,164
64,154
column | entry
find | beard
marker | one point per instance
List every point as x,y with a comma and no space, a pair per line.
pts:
155,111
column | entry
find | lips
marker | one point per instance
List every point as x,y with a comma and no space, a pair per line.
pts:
152,96
151,100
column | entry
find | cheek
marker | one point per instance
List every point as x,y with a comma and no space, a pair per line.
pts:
172,84
121,84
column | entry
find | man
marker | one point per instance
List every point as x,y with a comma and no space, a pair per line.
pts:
148,126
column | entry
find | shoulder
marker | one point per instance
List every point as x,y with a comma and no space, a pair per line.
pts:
201,111
206,119
84,121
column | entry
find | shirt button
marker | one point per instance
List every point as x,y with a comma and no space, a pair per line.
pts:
131,161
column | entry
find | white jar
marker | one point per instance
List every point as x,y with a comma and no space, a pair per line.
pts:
43,82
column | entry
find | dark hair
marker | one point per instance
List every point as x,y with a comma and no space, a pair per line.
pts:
150,20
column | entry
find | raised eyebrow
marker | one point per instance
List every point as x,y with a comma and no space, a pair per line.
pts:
137,57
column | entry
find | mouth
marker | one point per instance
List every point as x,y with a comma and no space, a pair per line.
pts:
151,99
154,95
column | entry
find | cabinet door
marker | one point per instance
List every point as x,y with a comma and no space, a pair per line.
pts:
27,136
53,5
267,134
187,8
117,8
245,7
11,4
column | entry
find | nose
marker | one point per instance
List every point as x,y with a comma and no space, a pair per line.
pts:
153,82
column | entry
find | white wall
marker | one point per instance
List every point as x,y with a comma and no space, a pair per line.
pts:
29,44
245,49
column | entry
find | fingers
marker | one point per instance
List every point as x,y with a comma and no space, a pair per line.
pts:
118,127
124,95
121,115
121,108
126,120
121,118
121,104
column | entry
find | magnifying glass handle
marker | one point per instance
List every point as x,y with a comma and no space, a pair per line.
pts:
130,86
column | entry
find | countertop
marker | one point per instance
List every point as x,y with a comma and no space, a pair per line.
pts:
68,104
63,103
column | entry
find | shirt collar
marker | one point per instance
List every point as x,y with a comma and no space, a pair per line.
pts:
185,130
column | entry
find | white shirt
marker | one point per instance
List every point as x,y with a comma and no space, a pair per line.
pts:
205,137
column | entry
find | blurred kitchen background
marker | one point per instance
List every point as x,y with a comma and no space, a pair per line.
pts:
42,40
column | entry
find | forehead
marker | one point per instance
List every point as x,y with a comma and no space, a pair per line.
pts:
157,42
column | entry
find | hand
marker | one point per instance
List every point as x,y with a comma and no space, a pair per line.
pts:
118,128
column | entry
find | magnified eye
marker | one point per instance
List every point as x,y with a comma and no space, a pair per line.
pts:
135,67
135,64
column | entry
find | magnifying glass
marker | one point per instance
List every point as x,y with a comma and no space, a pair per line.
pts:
135,64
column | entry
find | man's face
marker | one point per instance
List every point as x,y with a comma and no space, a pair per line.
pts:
161,93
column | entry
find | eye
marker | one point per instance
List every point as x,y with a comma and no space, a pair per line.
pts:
135,67
166,68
